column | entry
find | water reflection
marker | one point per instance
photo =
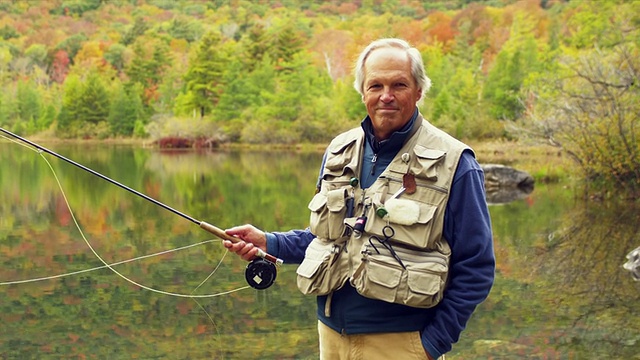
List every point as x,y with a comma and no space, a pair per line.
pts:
584,258
507,195
560,291
505,184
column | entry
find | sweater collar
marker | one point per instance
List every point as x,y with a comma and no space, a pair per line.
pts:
397,138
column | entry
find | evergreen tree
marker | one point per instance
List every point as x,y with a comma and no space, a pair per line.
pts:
126,109
151,57
286,43
136,30
184,28
441,105
516,60
503,86
255,46
28,101
8,108
68,117
205,74
5,60
94,100
239,93
115,55
243,95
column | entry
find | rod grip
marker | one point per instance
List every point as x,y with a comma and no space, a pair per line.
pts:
223,235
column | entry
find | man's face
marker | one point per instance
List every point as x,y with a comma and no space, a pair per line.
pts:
390,92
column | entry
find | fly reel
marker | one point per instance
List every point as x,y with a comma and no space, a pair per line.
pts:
260,273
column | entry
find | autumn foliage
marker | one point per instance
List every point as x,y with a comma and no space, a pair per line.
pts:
280,72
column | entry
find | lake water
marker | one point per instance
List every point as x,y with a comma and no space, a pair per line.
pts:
171,292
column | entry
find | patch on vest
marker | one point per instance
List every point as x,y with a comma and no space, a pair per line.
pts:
403,212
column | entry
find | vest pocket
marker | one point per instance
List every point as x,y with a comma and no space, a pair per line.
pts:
427,162
420,284
414,235
425,286
378,279
328,210
319,272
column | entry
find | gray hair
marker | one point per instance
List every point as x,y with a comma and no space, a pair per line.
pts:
417,65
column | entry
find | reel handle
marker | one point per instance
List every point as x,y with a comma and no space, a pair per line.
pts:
260,272
223,235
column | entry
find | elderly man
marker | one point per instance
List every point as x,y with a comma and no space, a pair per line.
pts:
399,250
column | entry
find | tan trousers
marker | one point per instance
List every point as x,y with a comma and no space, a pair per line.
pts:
383,346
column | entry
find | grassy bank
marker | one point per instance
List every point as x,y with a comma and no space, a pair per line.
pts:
544,162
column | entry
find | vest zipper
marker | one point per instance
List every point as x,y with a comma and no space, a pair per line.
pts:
373,164
415,256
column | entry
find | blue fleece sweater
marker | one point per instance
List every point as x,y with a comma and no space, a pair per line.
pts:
467,228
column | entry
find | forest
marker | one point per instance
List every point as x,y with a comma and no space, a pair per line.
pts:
558,72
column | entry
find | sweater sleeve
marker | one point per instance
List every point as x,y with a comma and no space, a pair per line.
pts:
467,228
289,246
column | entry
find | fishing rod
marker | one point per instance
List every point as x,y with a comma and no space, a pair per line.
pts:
260,272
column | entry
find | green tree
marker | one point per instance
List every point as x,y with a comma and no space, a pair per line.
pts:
37,55
94,100
151,58
206,72
68,120
591,24
517,59
284,113
29,101
127,110
254,45
85,107
76,7
5,61
504,82
185,28
286,43
170,87
115,55
441,104
244,92
136,30
8,32
8,108
239,93
591,109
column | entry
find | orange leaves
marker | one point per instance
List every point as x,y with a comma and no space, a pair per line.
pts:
331,47
440,28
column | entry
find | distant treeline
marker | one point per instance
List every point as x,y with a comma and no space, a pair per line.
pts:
280,71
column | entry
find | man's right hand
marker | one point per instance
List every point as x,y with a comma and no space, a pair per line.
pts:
250,239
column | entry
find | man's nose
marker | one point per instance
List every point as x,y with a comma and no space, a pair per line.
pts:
387,95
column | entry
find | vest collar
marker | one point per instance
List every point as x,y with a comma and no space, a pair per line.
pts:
397,138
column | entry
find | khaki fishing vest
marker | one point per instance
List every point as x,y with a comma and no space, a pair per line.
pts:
390,249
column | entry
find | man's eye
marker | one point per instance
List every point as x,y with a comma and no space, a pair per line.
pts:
374,86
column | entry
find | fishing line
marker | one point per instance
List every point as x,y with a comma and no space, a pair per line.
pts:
109,266
52,277
260,273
